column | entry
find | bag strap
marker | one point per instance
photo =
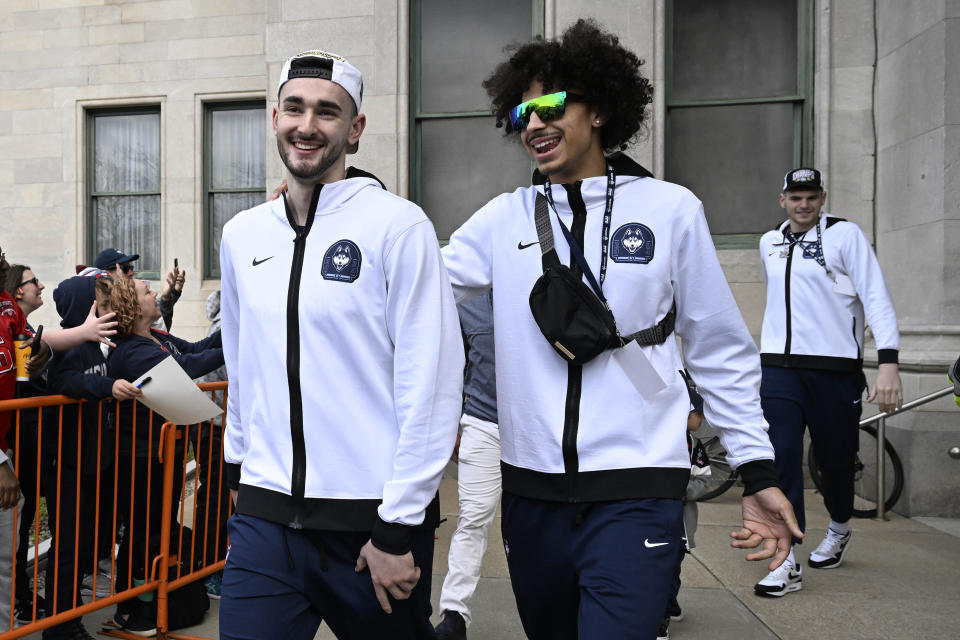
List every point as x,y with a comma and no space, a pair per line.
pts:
545,235
657,334
648,337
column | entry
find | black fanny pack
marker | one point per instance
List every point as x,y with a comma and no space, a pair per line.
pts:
575,319
572,319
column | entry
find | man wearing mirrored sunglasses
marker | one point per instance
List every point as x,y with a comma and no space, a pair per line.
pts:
594,456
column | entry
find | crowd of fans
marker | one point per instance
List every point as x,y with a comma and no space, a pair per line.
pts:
114,328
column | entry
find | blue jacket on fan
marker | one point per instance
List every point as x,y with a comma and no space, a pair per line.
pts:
81,373
134,356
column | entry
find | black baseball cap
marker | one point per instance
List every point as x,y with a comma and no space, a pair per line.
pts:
109,258
803,178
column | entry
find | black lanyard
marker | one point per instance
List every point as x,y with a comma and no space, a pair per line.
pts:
607,216
818,255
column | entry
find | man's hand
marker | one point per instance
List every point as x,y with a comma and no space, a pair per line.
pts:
391,574
9,487
125,390
456,450
767,518
888,390
100,329
276,192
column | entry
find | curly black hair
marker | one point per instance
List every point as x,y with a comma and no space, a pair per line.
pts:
586,59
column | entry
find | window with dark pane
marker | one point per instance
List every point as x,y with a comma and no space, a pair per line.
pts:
459,159
738,96
123,184
234,169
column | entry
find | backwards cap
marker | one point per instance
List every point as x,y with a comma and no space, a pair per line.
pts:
327,66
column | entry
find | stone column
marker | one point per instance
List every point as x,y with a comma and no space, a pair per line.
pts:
917,229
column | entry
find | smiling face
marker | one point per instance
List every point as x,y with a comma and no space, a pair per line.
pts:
803,207
315,123
568,148
149,309
29,293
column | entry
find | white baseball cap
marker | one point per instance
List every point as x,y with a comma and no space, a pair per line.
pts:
328,66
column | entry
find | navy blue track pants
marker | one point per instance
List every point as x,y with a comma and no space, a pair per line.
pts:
829,403
275,586
591,571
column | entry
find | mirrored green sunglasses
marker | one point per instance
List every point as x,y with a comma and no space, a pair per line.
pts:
548,107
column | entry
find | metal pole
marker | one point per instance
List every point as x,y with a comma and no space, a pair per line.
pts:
881,494
930,397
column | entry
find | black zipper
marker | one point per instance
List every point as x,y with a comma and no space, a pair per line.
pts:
571,420
786,297
298,473
571,427
855,343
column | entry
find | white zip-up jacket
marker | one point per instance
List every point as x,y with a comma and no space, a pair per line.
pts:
815,319
345,362
585,433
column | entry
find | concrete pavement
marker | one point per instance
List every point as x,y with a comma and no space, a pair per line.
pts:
900,579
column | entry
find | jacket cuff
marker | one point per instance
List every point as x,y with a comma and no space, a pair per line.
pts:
888,356
757,475
392,537
233,475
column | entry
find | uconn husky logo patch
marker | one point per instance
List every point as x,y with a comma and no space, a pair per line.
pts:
341,262
633,242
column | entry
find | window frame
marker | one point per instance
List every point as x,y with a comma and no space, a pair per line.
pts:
417,117
209,108
802,102
90,143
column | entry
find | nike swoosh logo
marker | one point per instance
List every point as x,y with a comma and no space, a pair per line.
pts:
651,545
793,576
256,262
522,246
857,401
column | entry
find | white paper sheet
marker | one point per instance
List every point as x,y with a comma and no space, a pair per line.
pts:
641,373
171,393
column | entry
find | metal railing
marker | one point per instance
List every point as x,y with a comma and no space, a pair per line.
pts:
881,420
180,556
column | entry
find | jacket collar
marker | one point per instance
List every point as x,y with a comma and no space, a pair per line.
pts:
623,165
335,195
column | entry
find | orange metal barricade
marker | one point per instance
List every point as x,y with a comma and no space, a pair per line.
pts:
187,558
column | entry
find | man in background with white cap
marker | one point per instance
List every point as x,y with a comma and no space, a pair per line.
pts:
823,281
345,362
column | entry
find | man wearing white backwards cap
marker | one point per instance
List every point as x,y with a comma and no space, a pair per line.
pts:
345,362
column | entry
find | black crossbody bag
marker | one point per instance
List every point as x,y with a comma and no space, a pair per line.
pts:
575,320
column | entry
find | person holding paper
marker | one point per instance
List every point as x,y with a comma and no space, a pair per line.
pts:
139,349
823,282
343,416
594,455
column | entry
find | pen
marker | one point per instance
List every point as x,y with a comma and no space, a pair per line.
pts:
144,381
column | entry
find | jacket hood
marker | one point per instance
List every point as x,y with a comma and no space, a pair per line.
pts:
335,195
73,298
213,306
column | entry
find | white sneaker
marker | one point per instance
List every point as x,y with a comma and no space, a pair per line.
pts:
784,579
829,554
